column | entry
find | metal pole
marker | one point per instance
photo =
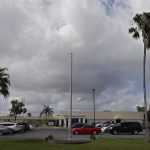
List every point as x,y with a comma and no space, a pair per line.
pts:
145,96
94,104
70,99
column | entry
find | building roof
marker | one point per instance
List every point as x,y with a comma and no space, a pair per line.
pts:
99,115
104,115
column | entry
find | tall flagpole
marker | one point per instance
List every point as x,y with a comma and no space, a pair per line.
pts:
70,99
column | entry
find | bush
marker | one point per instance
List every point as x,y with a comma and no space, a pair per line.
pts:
48,138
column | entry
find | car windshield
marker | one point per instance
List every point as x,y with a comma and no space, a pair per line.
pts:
117,124
88,126
105,124
77,125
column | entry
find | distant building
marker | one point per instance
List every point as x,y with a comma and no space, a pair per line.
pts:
87,117
63,119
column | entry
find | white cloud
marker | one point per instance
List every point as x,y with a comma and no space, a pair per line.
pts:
35,44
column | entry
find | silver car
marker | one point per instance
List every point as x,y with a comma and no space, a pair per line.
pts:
14,127
5,130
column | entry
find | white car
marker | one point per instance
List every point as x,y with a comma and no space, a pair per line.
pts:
32,126
103,124
13,126
105,129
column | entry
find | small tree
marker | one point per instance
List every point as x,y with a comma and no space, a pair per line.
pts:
47,112
17,108
4,82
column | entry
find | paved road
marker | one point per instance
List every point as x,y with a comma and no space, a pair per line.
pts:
62,133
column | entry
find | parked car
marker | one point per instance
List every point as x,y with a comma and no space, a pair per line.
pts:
126,127
144,126
106,127
25,126
77,125
87,129
32,126
13,126
98,124
4,130
102,124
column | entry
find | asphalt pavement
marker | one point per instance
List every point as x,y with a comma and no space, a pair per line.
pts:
63,134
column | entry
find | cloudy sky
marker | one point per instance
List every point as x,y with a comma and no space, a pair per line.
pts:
37,37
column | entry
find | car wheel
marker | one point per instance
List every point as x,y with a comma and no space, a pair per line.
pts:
135,132
76,132
23,130
11,132
94,132
115,132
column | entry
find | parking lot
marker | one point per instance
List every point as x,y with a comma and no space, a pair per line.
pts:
62,133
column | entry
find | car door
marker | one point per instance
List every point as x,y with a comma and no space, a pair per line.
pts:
86,129
124,127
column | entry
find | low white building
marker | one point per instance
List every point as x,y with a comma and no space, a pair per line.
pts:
88,117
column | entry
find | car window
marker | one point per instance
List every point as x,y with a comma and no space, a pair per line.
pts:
8,124
135,124
77,125
124,124
88,126
130,124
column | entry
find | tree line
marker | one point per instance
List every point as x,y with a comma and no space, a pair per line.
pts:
18,107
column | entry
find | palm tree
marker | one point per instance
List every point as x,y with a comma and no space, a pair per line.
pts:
4,82
47,112
142,22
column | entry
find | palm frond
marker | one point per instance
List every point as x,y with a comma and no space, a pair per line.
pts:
131,30
147,16
138,20
135,32
4,82
47,111
136,35
142,22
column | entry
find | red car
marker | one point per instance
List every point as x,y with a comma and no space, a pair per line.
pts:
87,129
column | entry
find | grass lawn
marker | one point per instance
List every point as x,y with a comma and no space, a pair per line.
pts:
100,144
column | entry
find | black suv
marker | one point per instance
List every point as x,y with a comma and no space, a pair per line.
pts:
126,127
25,126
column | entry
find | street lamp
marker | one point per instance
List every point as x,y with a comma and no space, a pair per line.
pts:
94,106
